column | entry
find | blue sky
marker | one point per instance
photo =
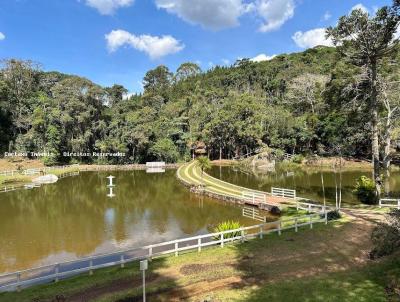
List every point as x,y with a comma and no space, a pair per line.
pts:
117,41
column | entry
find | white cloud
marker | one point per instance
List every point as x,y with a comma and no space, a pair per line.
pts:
360,6
108,7
225,61
327,16
2,36
155,47
274,12
221,14
311,38
262,57
211,14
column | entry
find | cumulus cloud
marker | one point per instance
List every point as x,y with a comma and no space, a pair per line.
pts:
155,47
274,12
211,14
359,6
221,14
108,7
262,57
311,38
2,36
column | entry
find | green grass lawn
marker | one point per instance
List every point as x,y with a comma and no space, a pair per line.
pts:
322,264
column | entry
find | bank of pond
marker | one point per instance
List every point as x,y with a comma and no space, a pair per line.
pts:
82,215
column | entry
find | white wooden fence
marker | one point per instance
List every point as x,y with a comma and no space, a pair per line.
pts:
156,164
286,193
55,272
9,173
389,203
252,197
311,207
253,213
8,189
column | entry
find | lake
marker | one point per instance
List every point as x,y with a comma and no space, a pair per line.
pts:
306,181
74,217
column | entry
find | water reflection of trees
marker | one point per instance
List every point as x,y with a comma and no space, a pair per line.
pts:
75,215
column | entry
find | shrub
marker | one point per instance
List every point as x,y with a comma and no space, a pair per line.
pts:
227,226
333,215
365,190
386,236
298,158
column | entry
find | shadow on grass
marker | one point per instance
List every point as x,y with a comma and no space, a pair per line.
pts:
324,264
111,284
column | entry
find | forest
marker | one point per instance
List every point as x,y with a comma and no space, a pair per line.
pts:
310,103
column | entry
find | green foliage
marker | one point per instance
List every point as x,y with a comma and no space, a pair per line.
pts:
298,159
165,149
365,190
386,236
203,162
228,226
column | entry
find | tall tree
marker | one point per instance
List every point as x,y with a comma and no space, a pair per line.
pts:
366,40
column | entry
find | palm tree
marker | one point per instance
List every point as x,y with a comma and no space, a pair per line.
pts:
204,163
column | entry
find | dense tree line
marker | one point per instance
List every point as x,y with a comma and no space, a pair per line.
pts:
313,102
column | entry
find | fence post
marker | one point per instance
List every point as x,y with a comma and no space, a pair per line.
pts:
57,270
326,217
295,225
242,235
297,206
261,232
380,203
311,226
176,249
279,227
199,245
90,267
309,208
18,282
398,204
222,240
122,261
150,253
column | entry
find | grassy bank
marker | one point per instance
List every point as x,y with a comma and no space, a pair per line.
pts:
328,263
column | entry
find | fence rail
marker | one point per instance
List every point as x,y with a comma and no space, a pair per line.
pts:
55,272
155,164
253,213
254,197
389,203
8,173
311,207
286,193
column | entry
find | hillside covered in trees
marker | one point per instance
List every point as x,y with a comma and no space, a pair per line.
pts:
304,103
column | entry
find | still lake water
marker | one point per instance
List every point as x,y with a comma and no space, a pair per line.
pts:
74,217
307,182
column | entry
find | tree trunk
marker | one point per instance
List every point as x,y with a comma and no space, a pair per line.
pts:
375,130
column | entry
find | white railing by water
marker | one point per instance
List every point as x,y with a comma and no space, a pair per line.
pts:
389,203
156,164
253,213
55,272
286,193
8,173
253,197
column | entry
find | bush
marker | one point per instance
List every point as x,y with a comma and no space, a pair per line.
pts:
298,159
386,236
365,190
227,226
334,215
